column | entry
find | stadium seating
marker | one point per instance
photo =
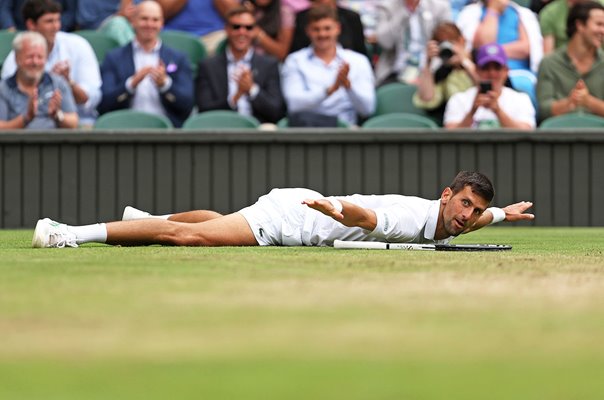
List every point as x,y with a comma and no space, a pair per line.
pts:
400,121
396,98
130,119
574,120
186,43
220,119
101,43
284,124
6,44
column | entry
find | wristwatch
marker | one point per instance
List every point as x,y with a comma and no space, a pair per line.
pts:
59,116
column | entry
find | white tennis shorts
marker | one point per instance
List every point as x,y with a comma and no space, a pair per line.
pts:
277,218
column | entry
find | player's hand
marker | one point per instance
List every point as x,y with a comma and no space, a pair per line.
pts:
324,206
516,211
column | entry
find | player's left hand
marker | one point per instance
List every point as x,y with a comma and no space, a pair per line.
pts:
324,206
516,211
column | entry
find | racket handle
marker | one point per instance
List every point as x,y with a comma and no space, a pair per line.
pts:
343,244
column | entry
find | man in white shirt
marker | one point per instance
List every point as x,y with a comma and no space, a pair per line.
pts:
303,217
326,79
490,104
69,55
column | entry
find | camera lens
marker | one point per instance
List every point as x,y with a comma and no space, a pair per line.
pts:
445,50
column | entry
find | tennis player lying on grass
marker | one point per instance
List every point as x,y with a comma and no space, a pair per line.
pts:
303,217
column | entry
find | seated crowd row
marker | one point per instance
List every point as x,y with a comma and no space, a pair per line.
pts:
319,83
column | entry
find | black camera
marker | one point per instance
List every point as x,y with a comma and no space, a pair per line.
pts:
445,51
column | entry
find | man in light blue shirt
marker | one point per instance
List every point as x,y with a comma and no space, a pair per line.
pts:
326,79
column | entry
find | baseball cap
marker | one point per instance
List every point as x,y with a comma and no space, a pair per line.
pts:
491,52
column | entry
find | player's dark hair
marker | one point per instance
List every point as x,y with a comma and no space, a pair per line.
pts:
479,183
580,13
321,11
34,9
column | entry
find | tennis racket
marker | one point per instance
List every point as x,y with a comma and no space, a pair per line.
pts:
343,244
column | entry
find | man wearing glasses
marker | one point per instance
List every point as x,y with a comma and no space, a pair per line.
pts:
240,79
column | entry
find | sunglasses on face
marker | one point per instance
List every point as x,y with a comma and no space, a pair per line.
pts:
239,26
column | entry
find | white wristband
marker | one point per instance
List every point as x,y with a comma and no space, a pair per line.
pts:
335,203
498,214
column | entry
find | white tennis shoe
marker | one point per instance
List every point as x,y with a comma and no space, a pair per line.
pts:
131,213
49,233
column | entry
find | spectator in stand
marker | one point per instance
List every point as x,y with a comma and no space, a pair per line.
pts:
241,79
32,98
403,30
11,15
448,70
119,25
367,9
515,28
69,55
90,14
146,75
572,78
274,27
553,19
203,18
324,78
351,28
490,104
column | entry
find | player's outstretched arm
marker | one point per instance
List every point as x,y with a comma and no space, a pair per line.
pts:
513,212
349,215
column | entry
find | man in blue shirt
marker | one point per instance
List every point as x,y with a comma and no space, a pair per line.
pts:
32,98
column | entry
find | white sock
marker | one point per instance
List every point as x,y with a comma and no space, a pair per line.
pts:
90,233
165,216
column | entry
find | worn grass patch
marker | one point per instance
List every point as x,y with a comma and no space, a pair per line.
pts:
158,322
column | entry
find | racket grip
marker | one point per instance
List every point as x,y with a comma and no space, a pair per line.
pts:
343,244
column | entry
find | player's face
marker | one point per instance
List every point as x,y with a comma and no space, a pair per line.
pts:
593,30
148,22
323,33
31,60
240,32
47,25
461,210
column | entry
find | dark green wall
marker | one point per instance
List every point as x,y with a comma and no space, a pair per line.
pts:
84,177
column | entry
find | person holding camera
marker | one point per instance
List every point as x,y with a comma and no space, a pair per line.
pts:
448,70
490,104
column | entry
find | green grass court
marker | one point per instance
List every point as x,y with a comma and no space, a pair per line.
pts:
104,322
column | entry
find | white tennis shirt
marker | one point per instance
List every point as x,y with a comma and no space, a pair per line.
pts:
400,219
280,219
